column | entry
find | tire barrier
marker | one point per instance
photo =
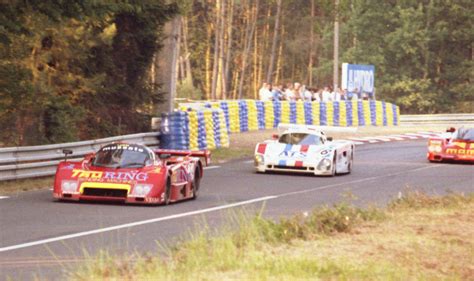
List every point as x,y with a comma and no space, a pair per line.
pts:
194,129
208,125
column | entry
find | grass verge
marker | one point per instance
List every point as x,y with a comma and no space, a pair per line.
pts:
416,237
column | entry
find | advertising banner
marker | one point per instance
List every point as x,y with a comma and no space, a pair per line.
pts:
358,78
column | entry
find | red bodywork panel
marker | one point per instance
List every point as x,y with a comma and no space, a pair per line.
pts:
440,149
146,185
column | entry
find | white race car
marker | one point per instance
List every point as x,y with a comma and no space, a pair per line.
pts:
304,149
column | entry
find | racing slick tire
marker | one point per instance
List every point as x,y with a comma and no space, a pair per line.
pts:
196,183
350,163
334,163
167,199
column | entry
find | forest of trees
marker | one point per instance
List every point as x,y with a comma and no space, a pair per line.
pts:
75,70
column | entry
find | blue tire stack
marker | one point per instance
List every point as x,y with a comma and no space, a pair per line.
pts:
395,119
349,113
360,113
260,114
174,131
323,114
308,113
336,113
276,113
373,113
202,143
292,112
216,127
225,108
243,116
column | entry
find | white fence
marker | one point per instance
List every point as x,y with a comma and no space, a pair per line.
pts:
437,119
38,161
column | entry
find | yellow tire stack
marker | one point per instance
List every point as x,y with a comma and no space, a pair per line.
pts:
234,119
285,112
209,126
342,114
252,115
300,112
193,130
269,114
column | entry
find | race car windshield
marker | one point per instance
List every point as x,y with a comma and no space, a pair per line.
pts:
116,156
465,134
300,139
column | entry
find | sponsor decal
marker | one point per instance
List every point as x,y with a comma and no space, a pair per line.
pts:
68,167
292,154
460,151
113,176
460,144
123,146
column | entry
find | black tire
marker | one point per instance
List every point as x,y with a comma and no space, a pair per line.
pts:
196,183
333,171
167,199
349,165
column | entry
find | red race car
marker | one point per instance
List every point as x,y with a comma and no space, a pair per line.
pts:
131,173
454,145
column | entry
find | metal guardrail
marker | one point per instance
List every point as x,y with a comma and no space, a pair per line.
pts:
38,161
437,118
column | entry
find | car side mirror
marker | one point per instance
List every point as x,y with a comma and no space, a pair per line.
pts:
89,157
66,153
329,138
164,156
451,130
275,136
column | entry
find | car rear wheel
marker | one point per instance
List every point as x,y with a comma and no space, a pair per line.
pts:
167,192
350,162
196,183
333,168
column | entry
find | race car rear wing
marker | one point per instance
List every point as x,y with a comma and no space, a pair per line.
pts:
206,154
297,127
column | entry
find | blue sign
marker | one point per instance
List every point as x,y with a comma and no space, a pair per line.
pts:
358,78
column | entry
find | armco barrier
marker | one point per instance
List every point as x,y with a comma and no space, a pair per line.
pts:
38,161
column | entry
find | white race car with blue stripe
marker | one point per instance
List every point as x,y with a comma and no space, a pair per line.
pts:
304,149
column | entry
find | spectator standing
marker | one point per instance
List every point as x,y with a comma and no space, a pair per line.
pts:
317,94
289,93
277,93
344,94
326,95
298,91
264,93
306,94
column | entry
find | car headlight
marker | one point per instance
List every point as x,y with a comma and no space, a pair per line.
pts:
258,159
324,164
69,186
141,189
434,148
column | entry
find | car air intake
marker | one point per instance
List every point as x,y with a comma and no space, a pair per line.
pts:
290,168
103,192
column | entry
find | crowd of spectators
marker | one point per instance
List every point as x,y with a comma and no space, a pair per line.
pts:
297,91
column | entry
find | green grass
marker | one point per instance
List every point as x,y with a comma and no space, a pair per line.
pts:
417,237
16,186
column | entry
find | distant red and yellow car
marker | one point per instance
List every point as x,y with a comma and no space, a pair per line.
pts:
131,173
454,145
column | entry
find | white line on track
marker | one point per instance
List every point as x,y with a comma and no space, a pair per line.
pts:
4,197
192,213
211,167
128,225
248,161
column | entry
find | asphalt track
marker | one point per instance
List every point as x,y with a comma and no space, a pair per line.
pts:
41,238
